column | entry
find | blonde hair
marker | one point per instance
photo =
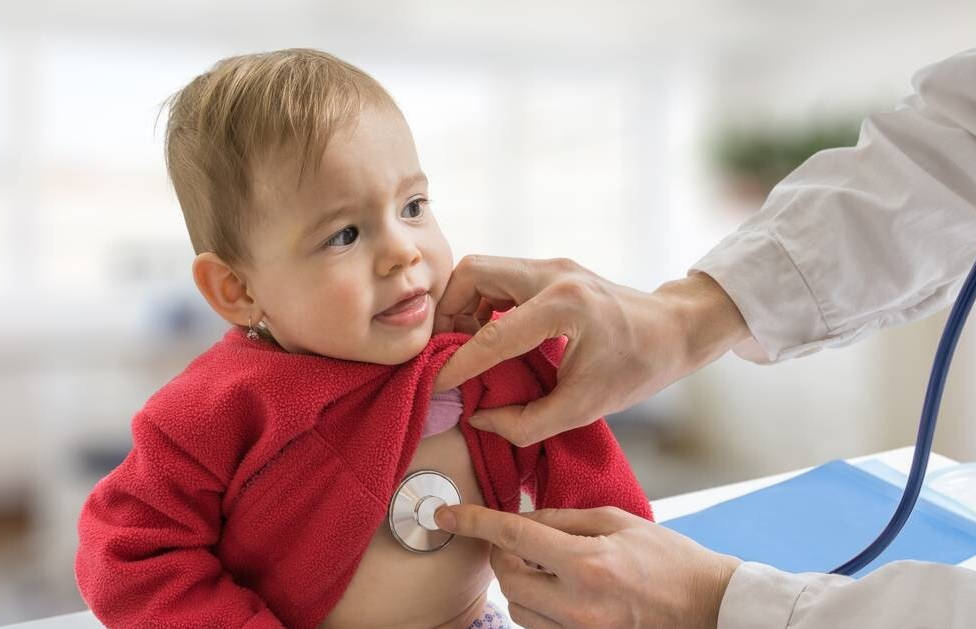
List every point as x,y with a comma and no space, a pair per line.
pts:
239,112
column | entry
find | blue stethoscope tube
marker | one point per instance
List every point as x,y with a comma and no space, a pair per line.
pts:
926,428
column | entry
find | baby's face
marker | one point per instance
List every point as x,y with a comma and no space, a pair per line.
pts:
352,263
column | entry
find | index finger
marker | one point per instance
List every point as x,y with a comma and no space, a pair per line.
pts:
512,533
490,277
519,331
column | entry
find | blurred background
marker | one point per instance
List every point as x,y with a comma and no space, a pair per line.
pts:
629,135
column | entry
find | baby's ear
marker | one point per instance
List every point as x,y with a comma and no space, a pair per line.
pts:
223,289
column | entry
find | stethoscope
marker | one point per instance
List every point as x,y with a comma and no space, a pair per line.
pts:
411,510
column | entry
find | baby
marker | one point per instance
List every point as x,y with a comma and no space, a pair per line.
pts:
256,491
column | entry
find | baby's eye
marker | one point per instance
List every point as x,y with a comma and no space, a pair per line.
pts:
345,236
414,209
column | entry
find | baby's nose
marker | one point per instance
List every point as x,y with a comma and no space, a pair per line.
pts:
398,252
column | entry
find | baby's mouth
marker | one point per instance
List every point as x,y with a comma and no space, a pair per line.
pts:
409,311
406,304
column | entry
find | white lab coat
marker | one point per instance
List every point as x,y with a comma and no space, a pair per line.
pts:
902,594
854,240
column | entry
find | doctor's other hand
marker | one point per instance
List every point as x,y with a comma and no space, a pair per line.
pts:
624,345
600,568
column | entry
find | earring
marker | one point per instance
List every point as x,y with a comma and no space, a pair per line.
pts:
252,334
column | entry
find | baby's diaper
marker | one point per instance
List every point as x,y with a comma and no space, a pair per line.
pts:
491,618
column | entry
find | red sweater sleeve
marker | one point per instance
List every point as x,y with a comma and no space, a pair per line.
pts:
147,534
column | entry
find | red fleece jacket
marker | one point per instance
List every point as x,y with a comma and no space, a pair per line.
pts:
257,478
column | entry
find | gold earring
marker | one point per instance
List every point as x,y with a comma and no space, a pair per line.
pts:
251,332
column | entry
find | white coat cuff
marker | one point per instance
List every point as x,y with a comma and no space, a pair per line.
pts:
774,299
760,597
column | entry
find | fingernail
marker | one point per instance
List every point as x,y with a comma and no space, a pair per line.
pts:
445,519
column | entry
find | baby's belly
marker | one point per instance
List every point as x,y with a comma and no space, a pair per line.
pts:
394,587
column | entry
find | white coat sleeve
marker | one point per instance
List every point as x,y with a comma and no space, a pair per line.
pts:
862,237
902,594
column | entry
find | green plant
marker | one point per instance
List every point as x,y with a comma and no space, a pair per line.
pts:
767,155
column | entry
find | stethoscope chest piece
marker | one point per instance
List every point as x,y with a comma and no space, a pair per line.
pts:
411,511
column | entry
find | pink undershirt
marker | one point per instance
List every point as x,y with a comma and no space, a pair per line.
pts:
444,413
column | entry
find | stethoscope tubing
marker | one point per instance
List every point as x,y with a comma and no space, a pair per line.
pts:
926,429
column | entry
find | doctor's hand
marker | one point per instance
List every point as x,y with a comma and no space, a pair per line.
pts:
602,568
624,345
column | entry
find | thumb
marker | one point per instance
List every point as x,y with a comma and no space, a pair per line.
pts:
498,420
563,409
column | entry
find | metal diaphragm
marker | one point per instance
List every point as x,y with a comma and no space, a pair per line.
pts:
411,511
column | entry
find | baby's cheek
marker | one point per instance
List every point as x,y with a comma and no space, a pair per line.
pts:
322,305
337,319
348,304
442,265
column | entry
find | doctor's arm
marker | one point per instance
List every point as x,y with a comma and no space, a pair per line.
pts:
900,594
855,239
607,568
863,237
